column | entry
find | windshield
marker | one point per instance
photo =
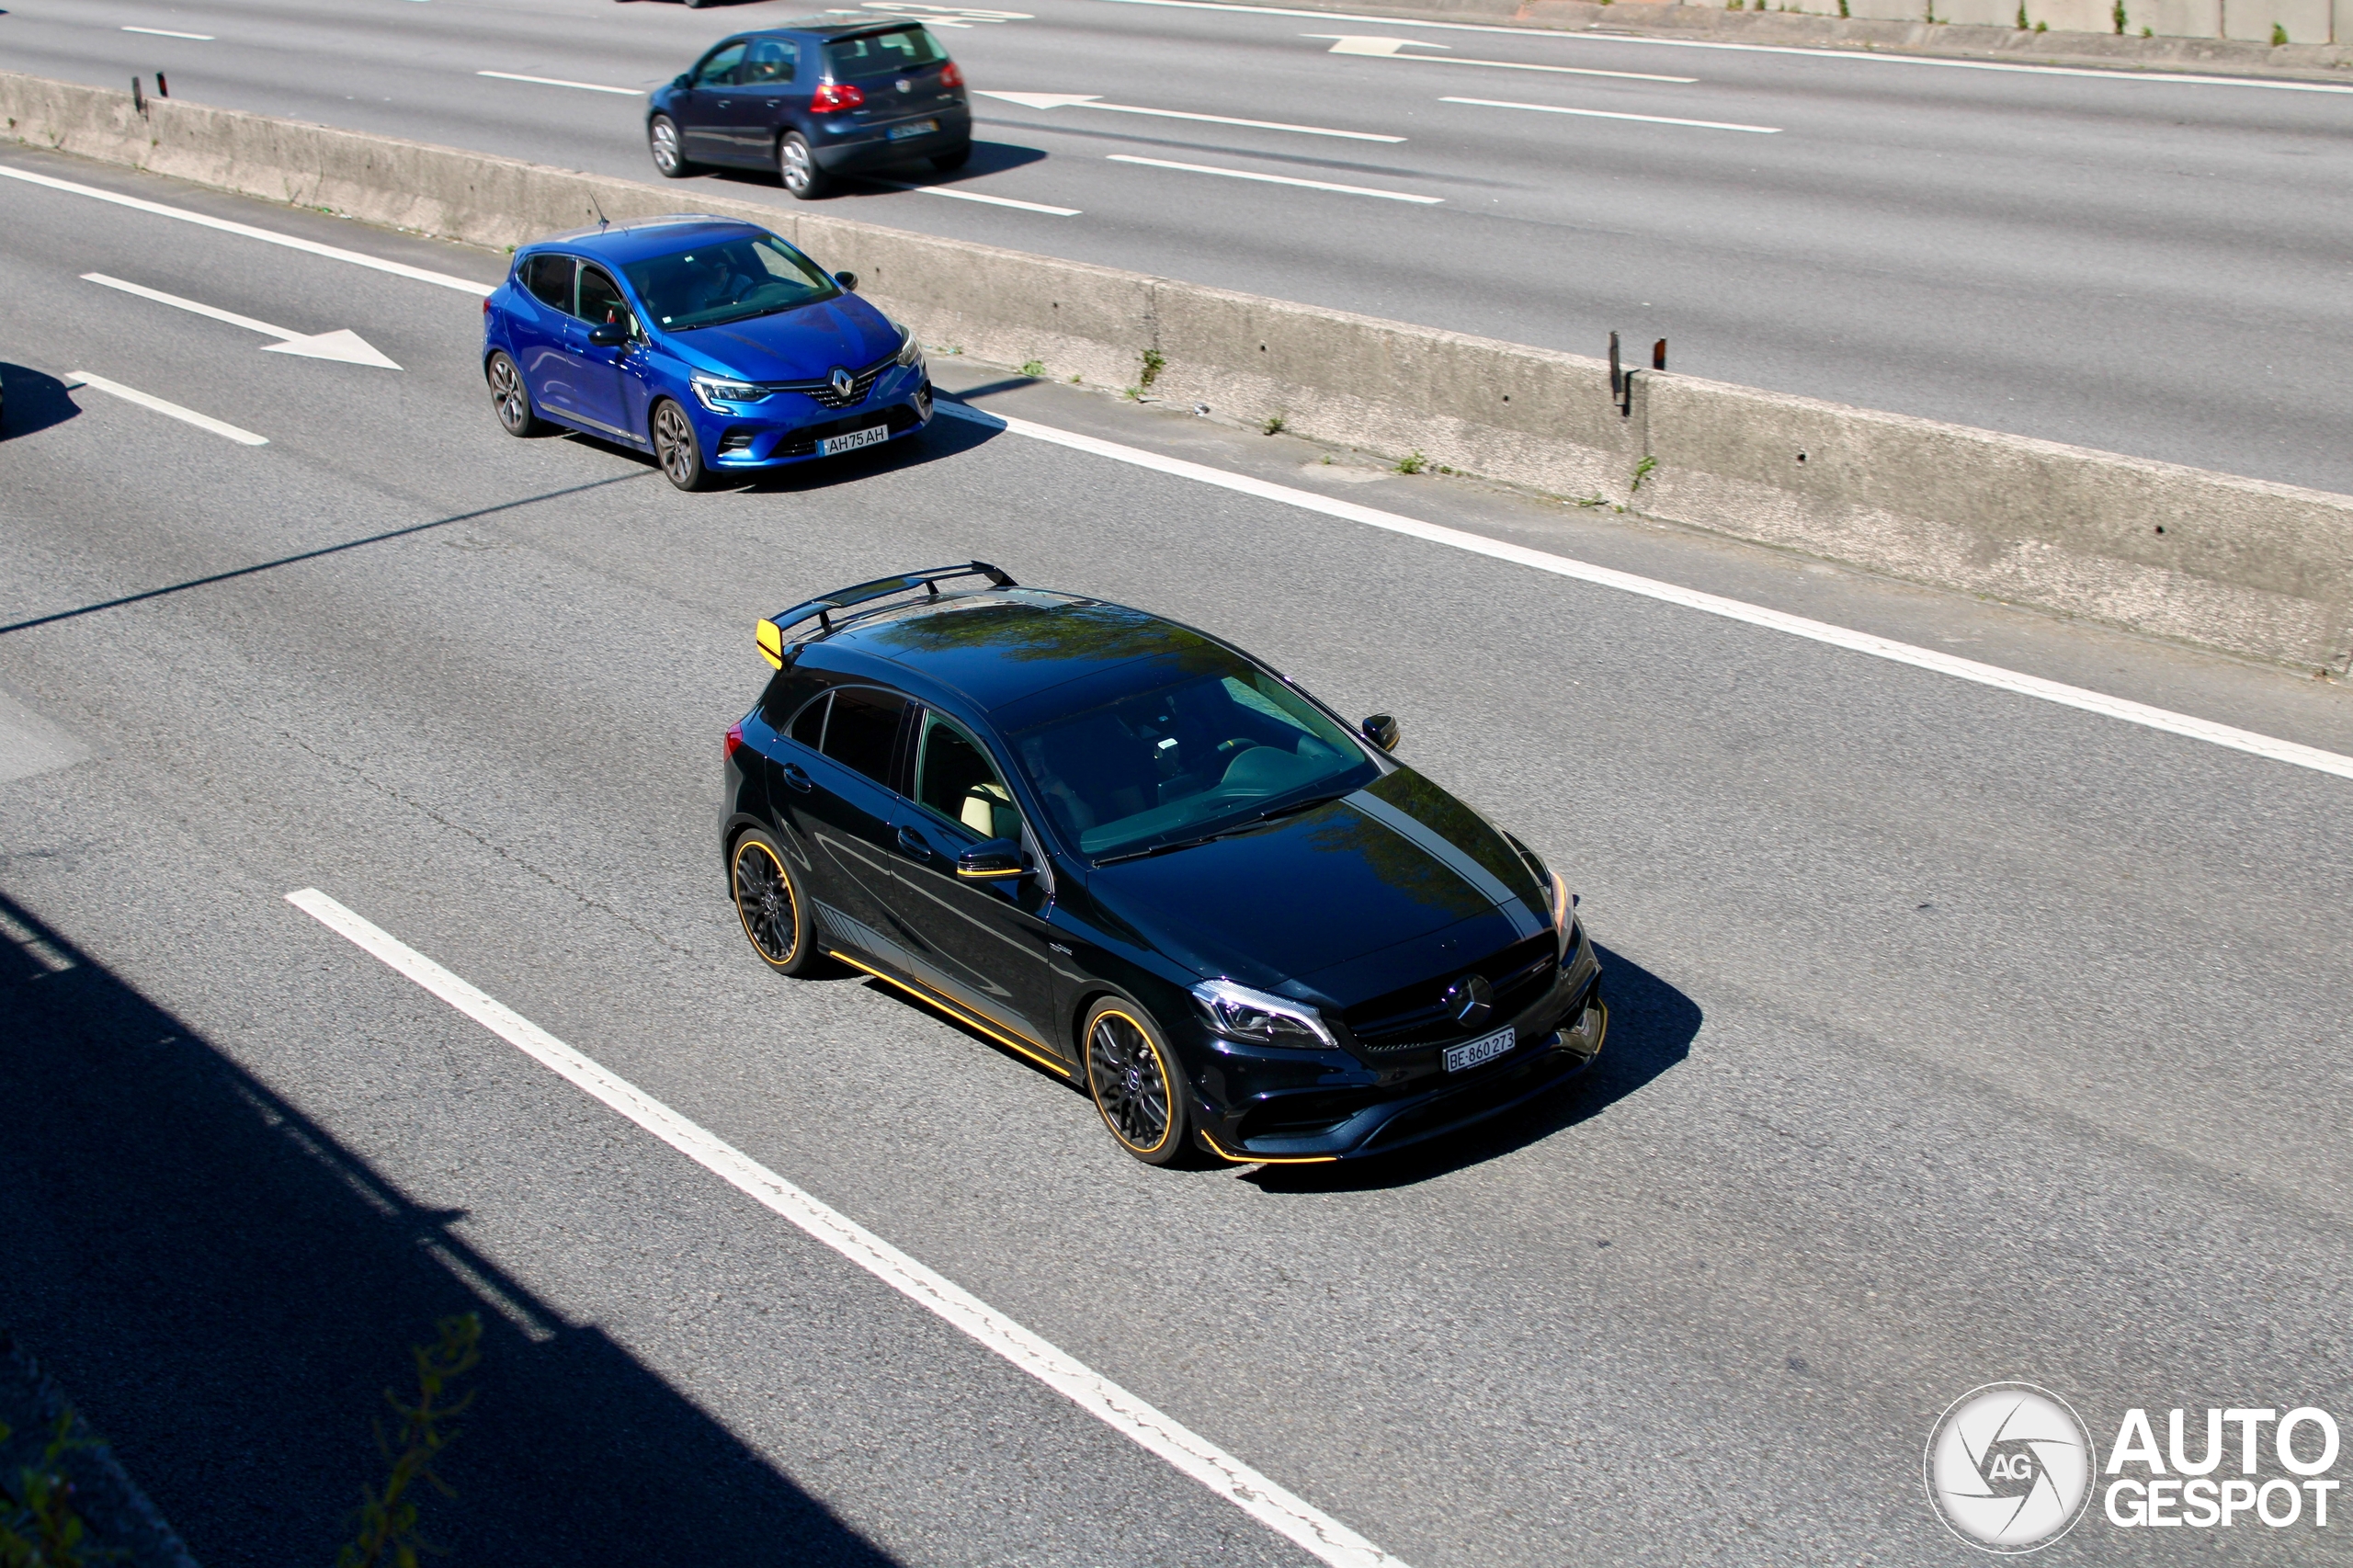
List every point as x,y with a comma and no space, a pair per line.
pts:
726,280
1184,761
882,54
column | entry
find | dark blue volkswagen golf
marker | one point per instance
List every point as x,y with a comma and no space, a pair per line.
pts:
1135,855
708,342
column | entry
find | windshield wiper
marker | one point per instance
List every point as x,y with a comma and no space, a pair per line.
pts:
1288,808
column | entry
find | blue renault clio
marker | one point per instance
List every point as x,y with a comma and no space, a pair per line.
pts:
707,341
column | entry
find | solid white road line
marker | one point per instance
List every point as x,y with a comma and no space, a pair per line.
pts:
559,82
2114,75
1387,48
148,400
1279,180
1291,1518
973,196
343,345
397,269
1605,114
1878,647
1088,100
167,32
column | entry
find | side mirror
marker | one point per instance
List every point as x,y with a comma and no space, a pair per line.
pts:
608,335
849,280
994,860
683,79
1382,732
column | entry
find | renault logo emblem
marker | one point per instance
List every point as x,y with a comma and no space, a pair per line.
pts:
1468,1000
842,382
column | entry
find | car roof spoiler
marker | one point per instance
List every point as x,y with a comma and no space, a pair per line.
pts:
770,633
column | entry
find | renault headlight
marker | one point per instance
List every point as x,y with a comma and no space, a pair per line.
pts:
1239,1013
910,349
715,392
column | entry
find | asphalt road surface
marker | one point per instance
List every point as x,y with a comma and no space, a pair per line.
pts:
2145,266
1958,1035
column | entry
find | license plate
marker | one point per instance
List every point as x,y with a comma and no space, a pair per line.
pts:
855,439
1481,1051
914,128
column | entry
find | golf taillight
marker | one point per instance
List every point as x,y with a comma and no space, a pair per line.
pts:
832,96
951,76
734,739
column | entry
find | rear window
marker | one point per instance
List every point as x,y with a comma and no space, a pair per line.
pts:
882,54
863,730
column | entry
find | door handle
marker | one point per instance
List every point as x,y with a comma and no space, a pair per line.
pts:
797,778
912,842
725,104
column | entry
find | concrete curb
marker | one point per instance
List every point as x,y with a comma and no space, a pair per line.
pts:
2239,564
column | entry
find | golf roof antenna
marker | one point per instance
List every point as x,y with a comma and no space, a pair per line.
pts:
597,207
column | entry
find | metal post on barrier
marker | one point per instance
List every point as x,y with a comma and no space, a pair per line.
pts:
1617,378
1658,349
137,98
162,88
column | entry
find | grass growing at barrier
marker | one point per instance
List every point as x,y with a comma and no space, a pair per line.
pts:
387,1521
38,1525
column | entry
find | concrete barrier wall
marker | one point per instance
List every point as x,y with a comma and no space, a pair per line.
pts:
2240,565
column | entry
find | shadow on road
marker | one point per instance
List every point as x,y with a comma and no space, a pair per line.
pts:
1651,1026
988,158
31,401
226,1293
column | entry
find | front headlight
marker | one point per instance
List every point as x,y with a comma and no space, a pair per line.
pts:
910,349
714,391
1239,1013
1564,905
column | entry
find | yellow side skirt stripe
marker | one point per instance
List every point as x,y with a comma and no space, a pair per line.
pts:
932,999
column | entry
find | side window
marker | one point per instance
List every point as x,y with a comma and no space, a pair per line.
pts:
864,723
718,67
600,301
809,724
770,64
954,779
548,277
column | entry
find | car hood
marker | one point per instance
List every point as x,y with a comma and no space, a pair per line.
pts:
800,345
1335,899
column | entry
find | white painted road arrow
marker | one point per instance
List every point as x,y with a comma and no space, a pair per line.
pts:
1387,48
1090,100
343,345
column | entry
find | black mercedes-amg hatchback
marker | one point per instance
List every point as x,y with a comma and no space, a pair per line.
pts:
1139,858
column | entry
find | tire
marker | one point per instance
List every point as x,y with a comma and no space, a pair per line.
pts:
771,904
669,153
676,447
1133,1077
947,163
797,167
509,398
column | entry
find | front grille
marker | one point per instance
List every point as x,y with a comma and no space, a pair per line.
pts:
1413,1017
861,382
804,441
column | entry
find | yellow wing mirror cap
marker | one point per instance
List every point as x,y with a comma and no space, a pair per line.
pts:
771,637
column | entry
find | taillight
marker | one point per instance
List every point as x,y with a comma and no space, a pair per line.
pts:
951,76
832,96
485,305
734,739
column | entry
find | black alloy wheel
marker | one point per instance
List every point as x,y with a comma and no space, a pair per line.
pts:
676,448
669,153
797,167
509,397
1134,1081
768,902
955,158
